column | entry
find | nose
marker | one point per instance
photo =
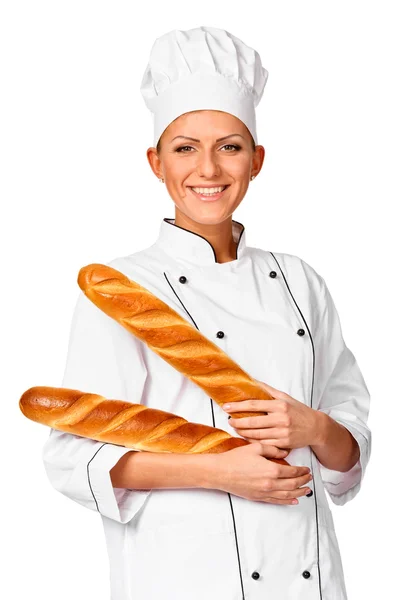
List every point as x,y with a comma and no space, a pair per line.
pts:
208,166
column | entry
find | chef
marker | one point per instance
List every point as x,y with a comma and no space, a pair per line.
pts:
213,535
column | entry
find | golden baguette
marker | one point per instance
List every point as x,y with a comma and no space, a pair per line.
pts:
123,423
171,336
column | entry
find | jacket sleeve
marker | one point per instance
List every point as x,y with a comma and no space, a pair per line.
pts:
102,358
343,395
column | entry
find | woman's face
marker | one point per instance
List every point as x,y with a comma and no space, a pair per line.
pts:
193,154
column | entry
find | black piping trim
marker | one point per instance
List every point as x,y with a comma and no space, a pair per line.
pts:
88,475
213,421
311,400
180,301
168,220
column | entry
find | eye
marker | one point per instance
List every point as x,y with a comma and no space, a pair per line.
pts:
182,148
232,146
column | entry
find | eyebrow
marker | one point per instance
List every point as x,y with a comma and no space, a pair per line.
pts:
218,140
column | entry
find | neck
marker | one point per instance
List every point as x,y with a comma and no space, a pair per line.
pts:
219,235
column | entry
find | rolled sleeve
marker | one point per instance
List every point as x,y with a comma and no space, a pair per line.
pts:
341,392
344,486
79,468
119,504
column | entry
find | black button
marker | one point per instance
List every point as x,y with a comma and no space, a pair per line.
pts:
301,332
220,334
273,274
306,574
310,494
182,279
255,575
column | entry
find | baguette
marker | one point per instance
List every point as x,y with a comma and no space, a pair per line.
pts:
123,423
171,336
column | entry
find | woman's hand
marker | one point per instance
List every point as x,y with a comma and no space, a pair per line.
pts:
246,471
288,424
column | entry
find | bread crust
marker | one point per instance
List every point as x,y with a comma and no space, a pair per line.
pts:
123,423
171,336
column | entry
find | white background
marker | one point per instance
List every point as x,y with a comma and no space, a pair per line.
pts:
76,188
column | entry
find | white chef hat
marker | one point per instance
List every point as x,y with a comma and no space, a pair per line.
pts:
204,68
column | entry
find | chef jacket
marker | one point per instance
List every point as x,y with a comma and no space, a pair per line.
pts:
273,314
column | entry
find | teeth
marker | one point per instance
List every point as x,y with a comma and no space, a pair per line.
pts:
208,191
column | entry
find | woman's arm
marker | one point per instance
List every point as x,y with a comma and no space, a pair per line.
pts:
342,395
103,358
148,470
337,449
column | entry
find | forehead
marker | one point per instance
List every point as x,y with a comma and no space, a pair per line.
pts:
210,123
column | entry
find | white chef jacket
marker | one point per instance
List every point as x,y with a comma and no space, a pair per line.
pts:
279,323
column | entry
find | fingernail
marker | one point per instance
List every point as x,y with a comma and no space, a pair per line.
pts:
226,406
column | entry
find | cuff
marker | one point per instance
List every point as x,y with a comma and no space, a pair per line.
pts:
343,486
119,504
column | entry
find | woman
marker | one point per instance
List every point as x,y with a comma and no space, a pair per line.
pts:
235,525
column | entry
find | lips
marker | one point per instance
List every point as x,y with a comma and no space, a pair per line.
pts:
208,198
208,187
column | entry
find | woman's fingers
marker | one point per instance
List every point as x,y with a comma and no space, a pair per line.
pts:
285,496
283,491
291,484
277,501
289,494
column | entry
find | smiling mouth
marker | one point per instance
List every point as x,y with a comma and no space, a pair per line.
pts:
209,187
205,197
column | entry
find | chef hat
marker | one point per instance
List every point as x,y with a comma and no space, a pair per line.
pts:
199,69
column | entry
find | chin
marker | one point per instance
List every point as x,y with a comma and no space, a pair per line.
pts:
211,218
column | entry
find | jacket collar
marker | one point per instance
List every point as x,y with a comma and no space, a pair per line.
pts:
186,245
